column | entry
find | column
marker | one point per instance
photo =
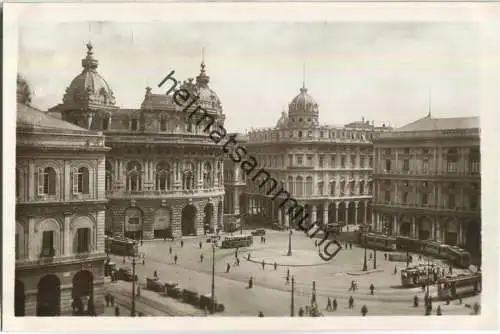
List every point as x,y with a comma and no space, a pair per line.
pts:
287,218
460,227
366,212
395,225
314,215
413,228
325,213
347,213
280,218
66,247
433,229
356,213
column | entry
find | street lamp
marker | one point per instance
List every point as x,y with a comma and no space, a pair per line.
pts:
292,302
374,258
132,311
365,268
212,308
290,243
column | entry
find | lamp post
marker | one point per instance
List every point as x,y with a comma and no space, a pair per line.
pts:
292,302
365,268
132,311
290,243
374,258
212,308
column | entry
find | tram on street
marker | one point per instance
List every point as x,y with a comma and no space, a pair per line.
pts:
459,286
120,245
415,276
457,256
379,241
408,244
237,241
434,248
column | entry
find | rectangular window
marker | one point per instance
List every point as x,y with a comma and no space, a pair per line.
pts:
321,158
163,124
406,151
425,166
342,162
405,198
83,240
425,150
332,161
290,160
353,161
48,243
370,162
473,202
451,201
17,247
387,196
451,167
425,199
134,124
406,165
387,165
309,160
133,220
299,160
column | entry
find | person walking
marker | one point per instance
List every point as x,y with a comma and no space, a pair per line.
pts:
248,257
228,267
170,250
395,270
334,305
288,272
385,256
200,244
351,302
364,310
329,304
237,261
175,258
106,298
261,314
117,311
372,287
201,257
287,280
155,274
250,282
301,312
112,300
182,243
415,301
438,310
263,264
275,266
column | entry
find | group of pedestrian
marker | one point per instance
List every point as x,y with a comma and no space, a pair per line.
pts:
262,240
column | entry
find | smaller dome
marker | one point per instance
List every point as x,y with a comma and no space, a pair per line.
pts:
303,103
89,87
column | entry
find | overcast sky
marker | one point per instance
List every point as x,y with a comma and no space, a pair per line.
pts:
382,72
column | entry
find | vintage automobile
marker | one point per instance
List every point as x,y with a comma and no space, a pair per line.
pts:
191,297
206,301
259,232
278,227
125,274
154,284
109,267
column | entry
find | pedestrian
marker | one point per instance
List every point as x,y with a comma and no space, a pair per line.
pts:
236,253
371,256
287,280
334,305
155,274
105,298
438,310
238,261
143,261
351,302
301,312
350,245
476,308
201,244
124,259
228,267
329,304
288,272
170,250
205,310
364,310
423,286
248,256
395,271
138,291
175,258
117,311
261,314
415,301
250,282
182,243
372,287
459,300
275,266
385,256
201,258
447,300
263,264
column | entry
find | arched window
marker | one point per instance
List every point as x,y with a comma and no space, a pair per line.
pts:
362,187
333,185
134,176
81,180
163,176
135,124
300,134
106,122
342,187
309,186
163,124
352,187
109,176
47,181
188,177
290,185
299,186
207,175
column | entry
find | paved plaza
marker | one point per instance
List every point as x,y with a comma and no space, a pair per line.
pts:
270,293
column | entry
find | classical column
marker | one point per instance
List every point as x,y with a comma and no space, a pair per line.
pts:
395,225
325,213
366,212
413,228
280,218
433,229
67,242
236,202
314,215
347,213
356,212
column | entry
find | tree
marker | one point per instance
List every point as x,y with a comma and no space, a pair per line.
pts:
23,91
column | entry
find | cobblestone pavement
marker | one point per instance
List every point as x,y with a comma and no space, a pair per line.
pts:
270,293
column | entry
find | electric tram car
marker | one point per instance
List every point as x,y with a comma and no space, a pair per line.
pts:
408,244
120,245
457,256
237,241
379,241
459,286
434,248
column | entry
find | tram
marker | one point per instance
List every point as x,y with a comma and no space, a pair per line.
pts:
378,241
457,256
408,244
237,241
434,248
459,286
120,245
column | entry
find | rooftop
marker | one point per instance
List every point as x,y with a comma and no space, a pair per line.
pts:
429,123
33,118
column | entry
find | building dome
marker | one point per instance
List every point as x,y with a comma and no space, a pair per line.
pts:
207,97
89,89
303,103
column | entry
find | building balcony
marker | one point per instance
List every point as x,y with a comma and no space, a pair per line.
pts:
165,194
425,174
427,207
60,260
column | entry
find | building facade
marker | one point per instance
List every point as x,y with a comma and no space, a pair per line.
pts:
327,169
428,181
164,176
60,209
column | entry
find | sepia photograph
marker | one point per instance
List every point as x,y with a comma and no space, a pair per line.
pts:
236,168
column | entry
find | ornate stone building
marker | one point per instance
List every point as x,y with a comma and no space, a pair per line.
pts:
428,181
163,173
60,207
327,169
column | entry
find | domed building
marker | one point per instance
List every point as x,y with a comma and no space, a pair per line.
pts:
163,174
327,169
60,209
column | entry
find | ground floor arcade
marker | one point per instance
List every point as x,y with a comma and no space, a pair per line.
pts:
60,290
346,212
450,229
156,218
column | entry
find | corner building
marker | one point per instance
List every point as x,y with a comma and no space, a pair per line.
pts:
327,169
428,181
60,209
164,175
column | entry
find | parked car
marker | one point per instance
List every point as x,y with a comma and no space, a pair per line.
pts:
191,297
154,284
206,301
278,227
259,232
125,274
